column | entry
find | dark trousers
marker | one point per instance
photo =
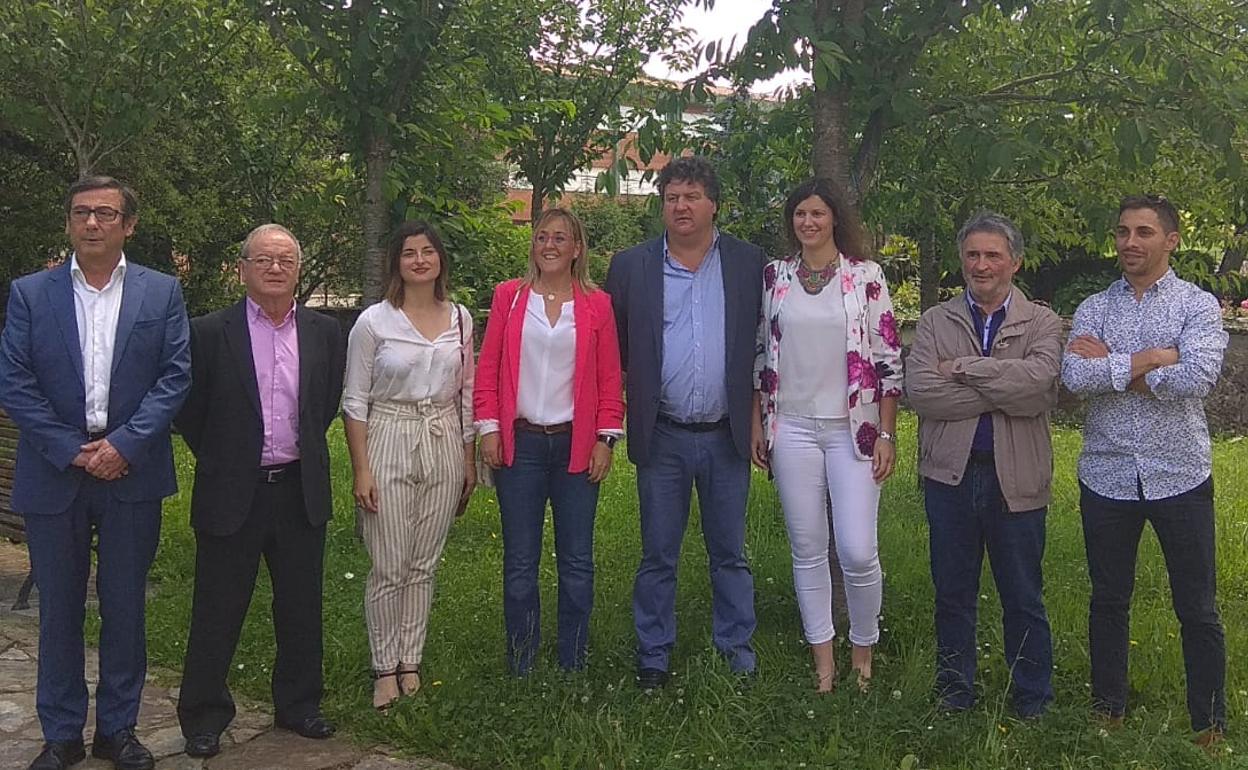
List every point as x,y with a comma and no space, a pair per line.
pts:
60,558
963,522
539,472
1185,530
681,459
225,576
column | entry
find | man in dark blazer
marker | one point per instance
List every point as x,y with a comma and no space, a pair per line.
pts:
94,363
267,377
686,307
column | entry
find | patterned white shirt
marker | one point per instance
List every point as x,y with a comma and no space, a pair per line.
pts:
1157,443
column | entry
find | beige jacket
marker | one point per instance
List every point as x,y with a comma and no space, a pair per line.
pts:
1018,384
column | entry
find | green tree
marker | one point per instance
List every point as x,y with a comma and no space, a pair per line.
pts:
101,76
572,65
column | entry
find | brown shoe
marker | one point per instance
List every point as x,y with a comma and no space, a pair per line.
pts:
1107,721
1209,739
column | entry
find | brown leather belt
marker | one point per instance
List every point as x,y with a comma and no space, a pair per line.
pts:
549,430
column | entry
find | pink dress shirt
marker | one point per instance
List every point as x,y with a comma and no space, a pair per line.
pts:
275,352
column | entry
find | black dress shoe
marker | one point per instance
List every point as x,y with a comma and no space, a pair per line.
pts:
315,727
58,755
203,745
123,750
651,678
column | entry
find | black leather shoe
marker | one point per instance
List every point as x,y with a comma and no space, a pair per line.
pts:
315,727
58,755
123,750
203,745
651,678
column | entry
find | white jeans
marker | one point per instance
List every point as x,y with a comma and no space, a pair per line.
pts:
810,457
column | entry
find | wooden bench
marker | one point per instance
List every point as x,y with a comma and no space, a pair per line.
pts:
12,525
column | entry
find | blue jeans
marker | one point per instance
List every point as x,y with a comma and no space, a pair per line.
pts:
963,522
539,472
1185,530
679,460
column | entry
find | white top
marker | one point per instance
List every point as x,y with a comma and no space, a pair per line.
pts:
814,374
97,311
547,366
389,360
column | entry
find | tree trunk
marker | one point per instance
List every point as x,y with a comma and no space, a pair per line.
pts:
831,155
376,213
1233,257
537,203
929,270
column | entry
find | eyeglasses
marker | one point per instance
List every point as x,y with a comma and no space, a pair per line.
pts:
559,239
105,215
264,263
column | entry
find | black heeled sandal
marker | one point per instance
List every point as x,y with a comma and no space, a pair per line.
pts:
383,707
413,671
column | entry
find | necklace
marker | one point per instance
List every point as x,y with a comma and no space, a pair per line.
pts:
813,281
550,296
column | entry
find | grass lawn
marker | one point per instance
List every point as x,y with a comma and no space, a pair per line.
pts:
472,714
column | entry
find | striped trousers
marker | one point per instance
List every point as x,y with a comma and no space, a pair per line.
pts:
416,454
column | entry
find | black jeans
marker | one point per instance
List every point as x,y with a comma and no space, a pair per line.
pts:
1185,530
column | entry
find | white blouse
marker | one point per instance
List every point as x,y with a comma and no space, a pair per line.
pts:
814,372
547,364
389,360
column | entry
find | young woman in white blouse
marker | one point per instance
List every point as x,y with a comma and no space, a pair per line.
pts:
548,408
827,380
407,409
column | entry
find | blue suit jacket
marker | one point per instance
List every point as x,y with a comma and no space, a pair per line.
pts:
41,386
635,283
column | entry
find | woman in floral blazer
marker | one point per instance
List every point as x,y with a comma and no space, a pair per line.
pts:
827,376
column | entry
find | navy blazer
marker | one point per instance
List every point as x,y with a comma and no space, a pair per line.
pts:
42,388
222,422
635,283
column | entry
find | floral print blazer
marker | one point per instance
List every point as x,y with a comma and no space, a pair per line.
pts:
872,343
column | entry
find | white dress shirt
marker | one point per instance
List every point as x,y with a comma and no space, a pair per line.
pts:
389,360
97,311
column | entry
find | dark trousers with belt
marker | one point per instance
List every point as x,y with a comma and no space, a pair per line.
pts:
1185,531
276,529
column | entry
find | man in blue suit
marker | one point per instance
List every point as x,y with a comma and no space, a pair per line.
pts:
686,306
94,364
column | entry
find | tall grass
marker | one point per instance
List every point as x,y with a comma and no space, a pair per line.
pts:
473,714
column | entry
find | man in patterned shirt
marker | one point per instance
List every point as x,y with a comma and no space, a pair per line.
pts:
1146,351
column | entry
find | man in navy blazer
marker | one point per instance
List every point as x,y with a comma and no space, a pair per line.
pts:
94,364
686,307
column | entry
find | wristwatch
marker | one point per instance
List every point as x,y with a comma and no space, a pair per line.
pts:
609,440
889,437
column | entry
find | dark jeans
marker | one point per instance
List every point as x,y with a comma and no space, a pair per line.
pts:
539,472
963,521
1185,529
681,459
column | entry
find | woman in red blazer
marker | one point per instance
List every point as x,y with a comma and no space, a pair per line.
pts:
548,408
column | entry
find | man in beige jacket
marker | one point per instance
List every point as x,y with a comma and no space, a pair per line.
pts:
983,374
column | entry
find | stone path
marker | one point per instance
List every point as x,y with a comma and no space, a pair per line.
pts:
251,743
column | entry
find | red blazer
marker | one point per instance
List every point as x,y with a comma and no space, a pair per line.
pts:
596,389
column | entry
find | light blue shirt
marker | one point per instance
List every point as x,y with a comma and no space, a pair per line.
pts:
694,387
1159,442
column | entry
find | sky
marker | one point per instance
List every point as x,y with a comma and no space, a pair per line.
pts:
729,18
